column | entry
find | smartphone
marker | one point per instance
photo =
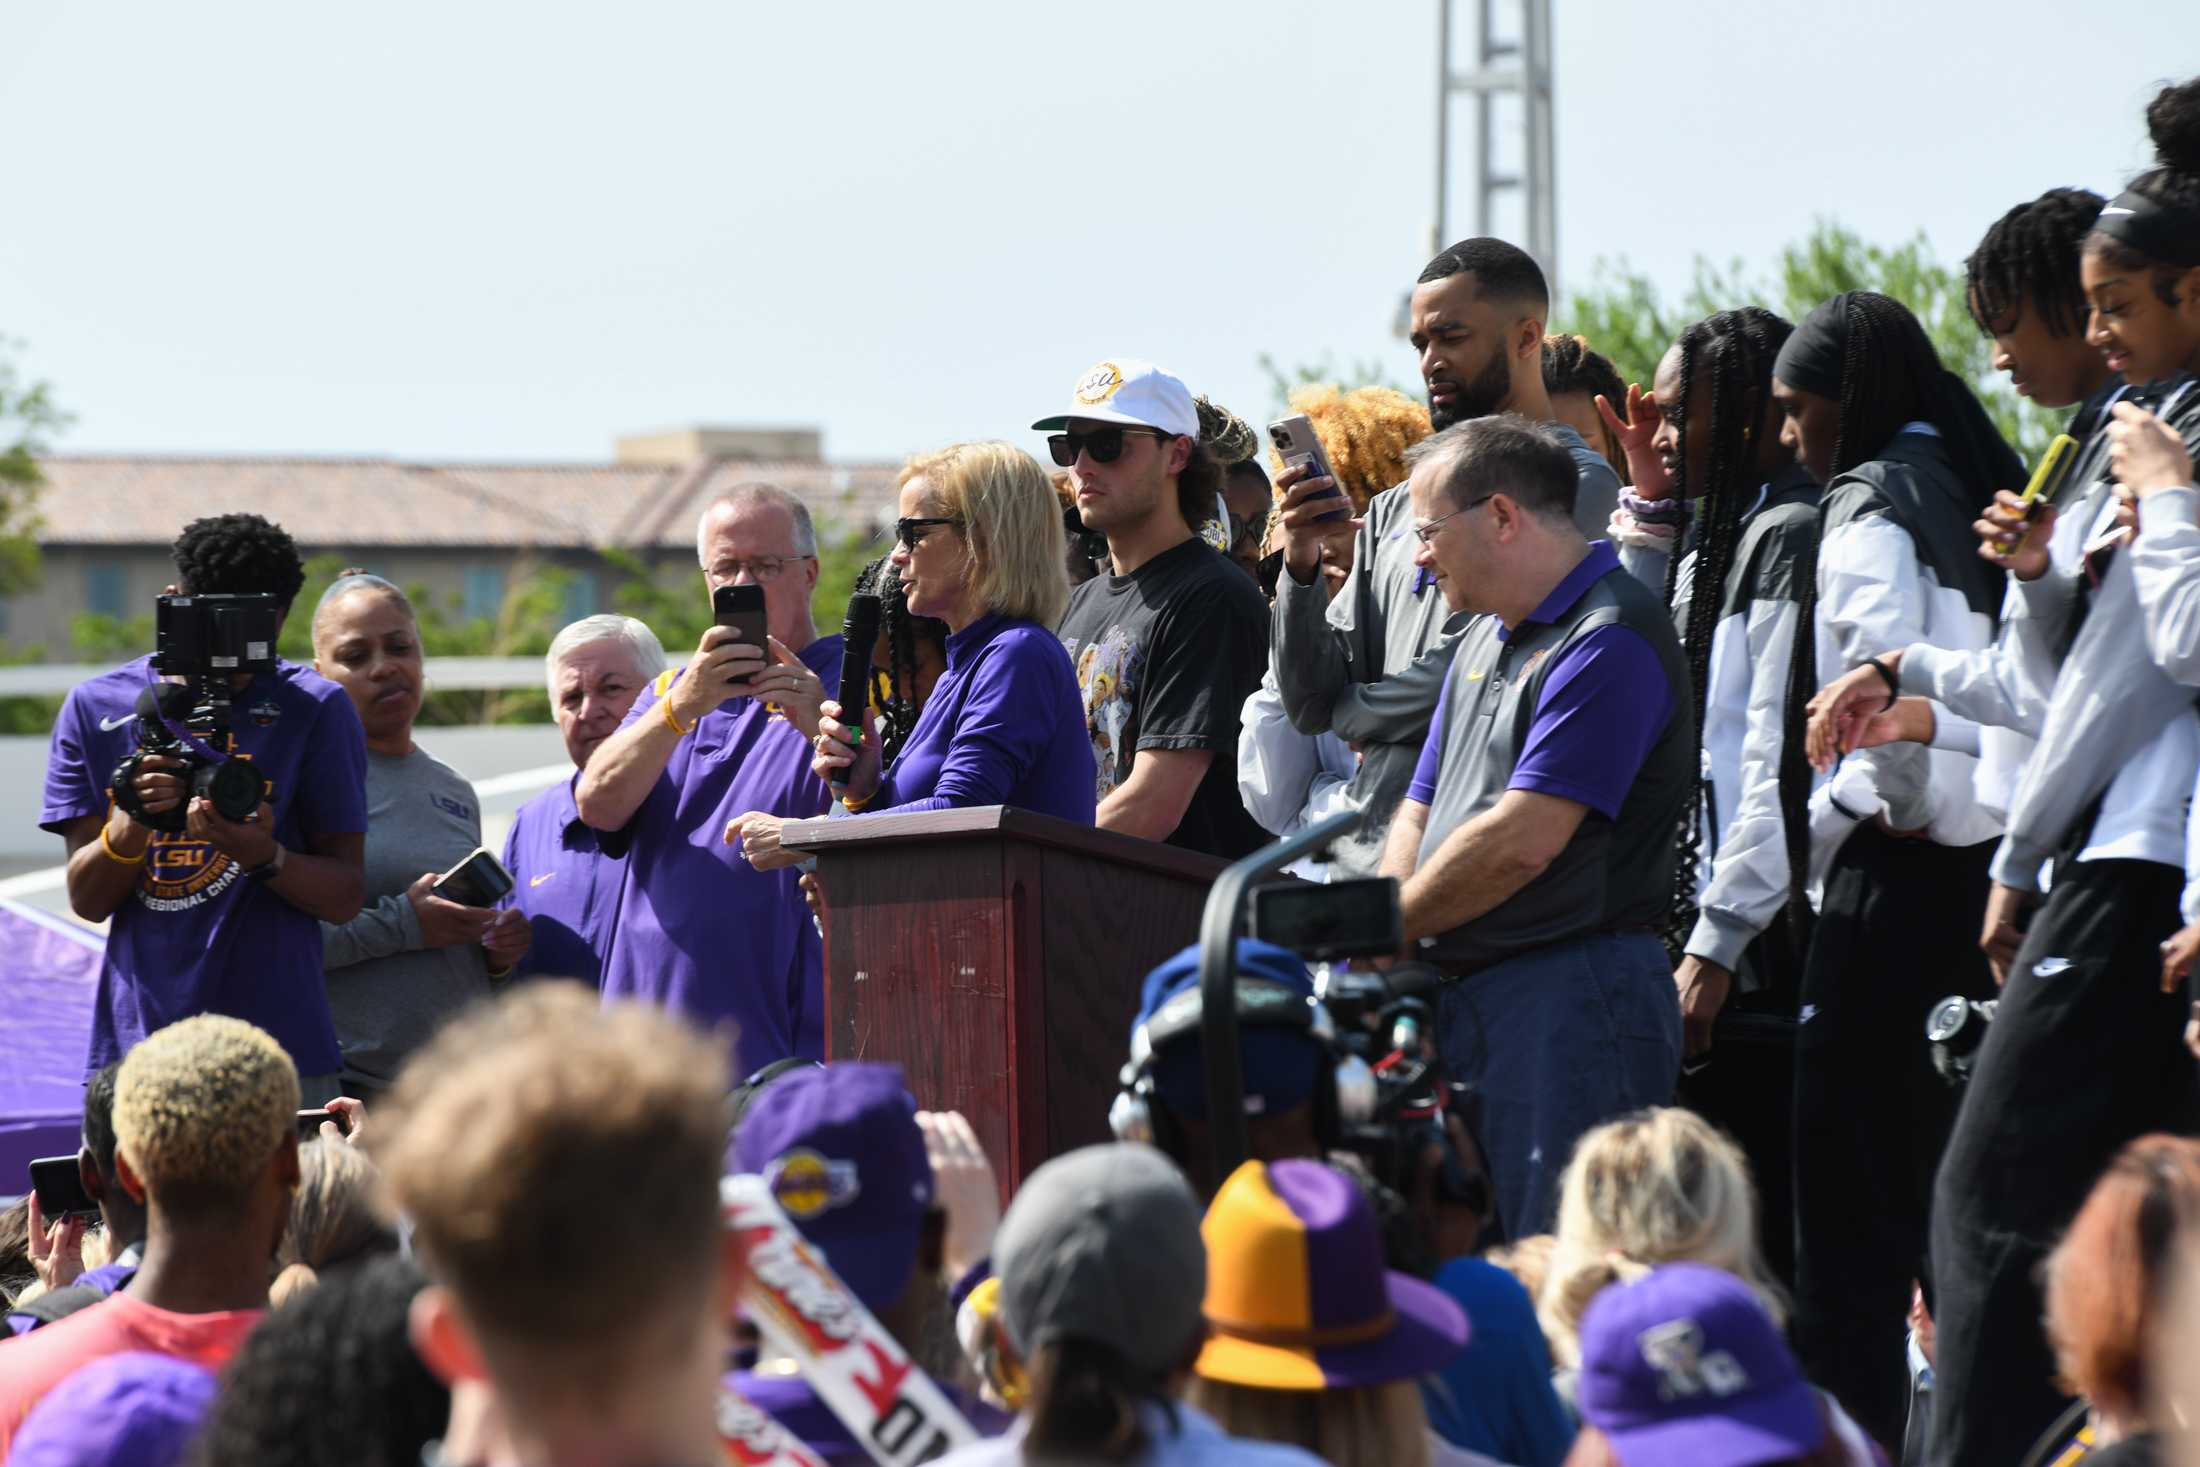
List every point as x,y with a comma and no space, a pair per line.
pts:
478,881
1296,444
309,1123
60,1188
2047,478
1326,921
742,608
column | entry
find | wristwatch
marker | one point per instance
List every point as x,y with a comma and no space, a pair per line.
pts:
272,867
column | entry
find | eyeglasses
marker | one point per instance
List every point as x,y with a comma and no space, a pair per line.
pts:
761,569
1104,444
912,531
1423,533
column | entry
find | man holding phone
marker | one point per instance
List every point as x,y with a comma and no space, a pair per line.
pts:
697,929
1367,663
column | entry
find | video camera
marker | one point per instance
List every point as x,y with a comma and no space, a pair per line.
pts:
205,641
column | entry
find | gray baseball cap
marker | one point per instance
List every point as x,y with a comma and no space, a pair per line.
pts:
1103,1245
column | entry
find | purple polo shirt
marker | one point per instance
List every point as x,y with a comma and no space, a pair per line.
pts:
1604,702
566,883
697,928
822,657
196,935
1005,725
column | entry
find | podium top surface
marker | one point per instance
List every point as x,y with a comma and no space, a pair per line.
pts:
827,836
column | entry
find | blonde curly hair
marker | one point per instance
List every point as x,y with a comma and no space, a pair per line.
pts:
1659,1186
1364,433
200,1107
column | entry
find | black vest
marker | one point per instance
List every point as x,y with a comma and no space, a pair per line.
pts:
1613,875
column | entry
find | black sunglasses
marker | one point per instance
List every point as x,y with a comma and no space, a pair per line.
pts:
1104,444
911,531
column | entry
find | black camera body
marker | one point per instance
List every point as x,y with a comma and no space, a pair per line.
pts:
1955,1029
203,640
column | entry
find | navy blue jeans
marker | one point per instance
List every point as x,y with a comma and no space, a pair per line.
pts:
1556,1041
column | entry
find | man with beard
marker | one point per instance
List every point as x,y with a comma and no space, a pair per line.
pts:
1368,663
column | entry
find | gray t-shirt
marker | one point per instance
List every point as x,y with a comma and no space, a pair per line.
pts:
387,992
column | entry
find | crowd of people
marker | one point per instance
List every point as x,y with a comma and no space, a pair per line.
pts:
1782,696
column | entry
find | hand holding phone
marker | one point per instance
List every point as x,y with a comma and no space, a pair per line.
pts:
1298,448
478,881
60,1188
741,609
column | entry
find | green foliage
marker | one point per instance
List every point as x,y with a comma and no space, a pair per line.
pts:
1324,369
28,417
1626,318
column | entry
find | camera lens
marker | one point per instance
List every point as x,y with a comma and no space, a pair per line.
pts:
233,786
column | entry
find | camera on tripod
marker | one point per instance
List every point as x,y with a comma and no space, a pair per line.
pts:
205,641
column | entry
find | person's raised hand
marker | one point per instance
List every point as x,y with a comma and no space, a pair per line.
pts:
509,936
2014,538
840,757
160,788
721,669
2144,453
789,684
963,1181
1303,497
1634,432
354,1112
445,923
56,1246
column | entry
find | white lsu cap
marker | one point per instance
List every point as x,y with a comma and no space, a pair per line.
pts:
1133,393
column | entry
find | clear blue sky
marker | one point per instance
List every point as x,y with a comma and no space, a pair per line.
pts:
490,230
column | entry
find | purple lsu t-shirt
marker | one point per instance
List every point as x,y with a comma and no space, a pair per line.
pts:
1603,704
566,883
698,929
1005,725
196,935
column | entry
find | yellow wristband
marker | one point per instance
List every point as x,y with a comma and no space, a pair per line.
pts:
672,720
114,855
852,805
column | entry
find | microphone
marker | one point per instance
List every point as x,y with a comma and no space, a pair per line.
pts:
859,634
158,701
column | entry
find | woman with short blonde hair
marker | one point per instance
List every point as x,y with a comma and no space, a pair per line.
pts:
978,546
1662,1185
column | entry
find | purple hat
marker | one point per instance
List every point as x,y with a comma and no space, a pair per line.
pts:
1685,1369
846,1161
1297,1296
136,1407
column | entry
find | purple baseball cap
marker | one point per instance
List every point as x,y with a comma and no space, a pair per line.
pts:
1297,1295
1684,1368
136,1407
842,1151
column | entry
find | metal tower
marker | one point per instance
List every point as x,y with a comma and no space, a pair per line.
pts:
1515,70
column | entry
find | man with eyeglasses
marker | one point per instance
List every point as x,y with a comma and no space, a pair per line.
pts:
696,928
1169,640
1366,663
1535,845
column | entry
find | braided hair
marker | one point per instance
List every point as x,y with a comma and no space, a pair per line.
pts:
231,554
894,690
1733,351
2029,258
1890,375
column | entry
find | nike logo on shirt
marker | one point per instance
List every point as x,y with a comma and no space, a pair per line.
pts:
109,725
2049,967
539,880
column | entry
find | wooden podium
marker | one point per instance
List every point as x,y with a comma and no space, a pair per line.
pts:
996,955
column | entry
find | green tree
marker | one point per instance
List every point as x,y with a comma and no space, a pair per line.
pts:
29,418
1626,317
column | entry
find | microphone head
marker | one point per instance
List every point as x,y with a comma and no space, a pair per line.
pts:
173,700
861,627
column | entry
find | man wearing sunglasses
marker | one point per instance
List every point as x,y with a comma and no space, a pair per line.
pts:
1535,846
1170,639
1366,663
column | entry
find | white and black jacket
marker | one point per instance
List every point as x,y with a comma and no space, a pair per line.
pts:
2118,728
1898,564
1743,876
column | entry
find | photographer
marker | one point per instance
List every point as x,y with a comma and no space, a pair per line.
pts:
411,959
219,915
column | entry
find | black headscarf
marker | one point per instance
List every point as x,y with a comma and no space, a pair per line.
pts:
2164,230
1810,359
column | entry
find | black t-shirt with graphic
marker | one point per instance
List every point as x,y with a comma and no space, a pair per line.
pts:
1166,657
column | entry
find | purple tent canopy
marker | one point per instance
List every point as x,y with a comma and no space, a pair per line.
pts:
47,982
